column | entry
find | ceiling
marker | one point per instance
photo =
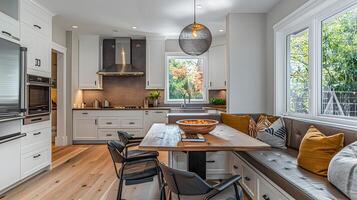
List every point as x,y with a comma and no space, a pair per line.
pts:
151,17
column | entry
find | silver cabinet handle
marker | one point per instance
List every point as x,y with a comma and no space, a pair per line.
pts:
109,135
95,121
235,167
247,178
38,133
6,33
85,113
210,161
131,123
159,112
109,123
37,155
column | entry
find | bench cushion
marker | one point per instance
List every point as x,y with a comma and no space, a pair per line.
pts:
280,166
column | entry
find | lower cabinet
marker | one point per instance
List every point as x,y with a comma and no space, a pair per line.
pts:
10,167
217,163
85,129
255,184
35,160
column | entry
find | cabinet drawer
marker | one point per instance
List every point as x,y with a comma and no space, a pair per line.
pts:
36,18
36,139
236,166
131,123
249,181
134,132
9,27
108,134
268,192
218,161
108,122
34,161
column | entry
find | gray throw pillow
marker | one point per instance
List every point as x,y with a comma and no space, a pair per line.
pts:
274,135
342,171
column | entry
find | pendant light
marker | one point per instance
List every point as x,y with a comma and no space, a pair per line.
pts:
195,39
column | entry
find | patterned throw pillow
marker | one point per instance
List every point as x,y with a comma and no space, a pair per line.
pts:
342,171
274,135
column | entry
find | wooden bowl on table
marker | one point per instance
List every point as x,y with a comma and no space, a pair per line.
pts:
197,126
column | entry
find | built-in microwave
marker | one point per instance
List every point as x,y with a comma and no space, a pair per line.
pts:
38,99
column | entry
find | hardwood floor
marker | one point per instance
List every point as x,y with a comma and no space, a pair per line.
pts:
81,172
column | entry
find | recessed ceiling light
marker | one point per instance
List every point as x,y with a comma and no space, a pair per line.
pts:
221,30
74,26
134,27
199,6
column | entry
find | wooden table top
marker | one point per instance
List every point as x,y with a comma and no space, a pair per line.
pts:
167,137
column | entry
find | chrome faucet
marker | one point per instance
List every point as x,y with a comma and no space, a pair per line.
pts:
184,104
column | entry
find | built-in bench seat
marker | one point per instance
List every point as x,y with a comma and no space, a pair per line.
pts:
280,166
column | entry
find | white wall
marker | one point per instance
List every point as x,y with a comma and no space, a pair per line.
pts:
246,56
58,35
277,13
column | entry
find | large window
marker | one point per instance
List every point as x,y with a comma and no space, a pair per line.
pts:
298,72
185,79
316,62
339,64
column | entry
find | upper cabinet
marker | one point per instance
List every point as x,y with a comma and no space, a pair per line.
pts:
155,63
89,62
217,67
36,36
9,20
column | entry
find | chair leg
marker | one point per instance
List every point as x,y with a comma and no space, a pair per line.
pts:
162,193
120,188
238,193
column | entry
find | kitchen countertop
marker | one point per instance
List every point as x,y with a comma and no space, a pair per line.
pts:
150,108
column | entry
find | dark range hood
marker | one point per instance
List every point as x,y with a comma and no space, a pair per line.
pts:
116,58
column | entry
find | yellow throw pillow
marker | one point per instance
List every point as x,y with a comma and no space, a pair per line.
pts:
239,122
317,150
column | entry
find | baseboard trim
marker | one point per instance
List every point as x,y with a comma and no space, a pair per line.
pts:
61,140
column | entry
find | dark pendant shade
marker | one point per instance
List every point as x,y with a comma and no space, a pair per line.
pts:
195,39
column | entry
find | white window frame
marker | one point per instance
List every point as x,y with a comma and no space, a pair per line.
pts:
179,55
310,15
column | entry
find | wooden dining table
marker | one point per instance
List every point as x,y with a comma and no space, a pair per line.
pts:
167,137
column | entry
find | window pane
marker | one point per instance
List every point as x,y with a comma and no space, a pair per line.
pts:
298,69
185,79
339,65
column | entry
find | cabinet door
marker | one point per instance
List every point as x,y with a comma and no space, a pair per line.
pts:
88,62
85,129
268,192
217,67
155,63
9,27
38,51
10,158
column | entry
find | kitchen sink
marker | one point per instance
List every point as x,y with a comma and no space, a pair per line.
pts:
188,110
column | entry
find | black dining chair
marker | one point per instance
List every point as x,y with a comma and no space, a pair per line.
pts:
130,141
133,169
190,184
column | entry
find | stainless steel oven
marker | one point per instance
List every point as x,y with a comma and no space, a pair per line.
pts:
37,99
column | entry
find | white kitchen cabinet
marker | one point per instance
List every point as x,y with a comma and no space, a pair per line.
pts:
178,160
217,165
10,167
155,63
36,36
266,191
85,129
154,116
38,51
35,160
88,58
9,28
217,68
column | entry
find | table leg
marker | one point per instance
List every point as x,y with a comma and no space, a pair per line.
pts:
197,163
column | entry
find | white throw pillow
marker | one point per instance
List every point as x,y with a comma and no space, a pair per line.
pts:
342,171
274,135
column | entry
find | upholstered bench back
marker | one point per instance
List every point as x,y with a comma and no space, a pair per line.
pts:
297,130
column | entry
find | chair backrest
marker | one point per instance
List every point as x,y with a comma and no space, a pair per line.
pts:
184,182
124,137
116,148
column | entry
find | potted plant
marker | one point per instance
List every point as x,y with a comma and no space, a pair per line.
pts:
154,97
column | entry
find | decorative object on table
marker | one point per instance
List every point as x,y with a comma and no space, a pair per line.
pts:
316,150
192,137
238,122
154,97
217,101
342,171
197,126
275,135
195,39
